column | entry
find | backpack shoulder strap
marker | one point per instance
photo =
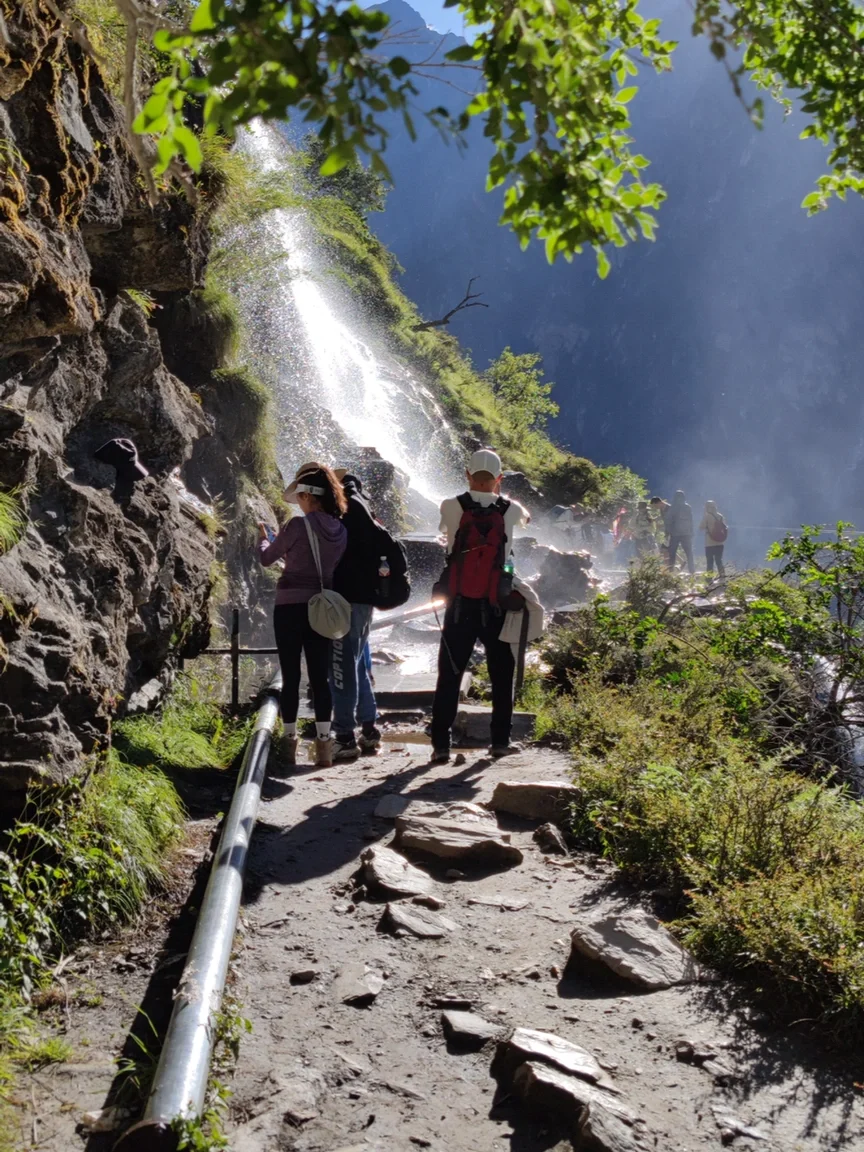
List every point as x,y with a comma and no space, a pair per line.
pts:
316,552
502,504
465,501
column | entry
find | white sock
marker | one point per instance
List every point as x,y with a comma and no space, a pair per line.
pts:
289,729
322,729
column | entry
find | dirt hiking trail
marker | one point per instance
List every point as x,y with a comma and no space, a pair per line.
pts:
685,1066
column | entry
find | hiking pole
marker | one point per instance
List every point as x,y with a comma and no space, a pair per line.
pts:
520,661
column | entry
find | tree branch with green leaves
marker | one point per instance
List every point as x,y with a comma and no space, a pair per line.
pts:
552,85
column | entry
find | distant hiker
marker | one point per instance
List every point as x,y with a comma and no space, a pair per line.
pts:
319,494
373,573
679,526
478,584
716,531
644,530
659,507
122,455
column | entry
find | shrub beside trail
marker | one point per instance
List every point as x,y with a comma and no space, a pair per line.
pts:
703,758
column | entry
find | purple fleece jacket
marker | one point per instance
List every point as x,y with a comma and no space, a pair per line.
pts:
299,580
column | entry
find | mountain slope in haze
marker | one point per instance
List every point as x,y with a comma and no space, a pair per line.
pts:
726,356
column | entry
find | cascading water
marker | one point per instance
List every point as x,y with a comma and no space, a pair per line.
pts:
337,389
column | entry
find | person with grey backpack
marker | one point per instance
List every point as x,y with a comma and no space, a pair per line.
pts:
308,614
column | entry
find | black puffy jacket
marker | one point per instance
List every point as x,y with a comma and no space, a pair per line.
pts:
356,577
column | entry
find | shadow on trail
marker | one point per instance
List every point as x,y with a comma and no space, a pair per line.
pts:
795,1060
331,834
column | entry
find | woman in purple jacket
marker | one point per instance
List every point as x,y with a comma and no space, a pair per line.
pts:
321,499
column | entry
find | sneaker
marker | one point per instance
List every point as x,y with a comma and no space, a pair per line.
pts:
370,738
499,750
439,756
323,752
345,748
286,749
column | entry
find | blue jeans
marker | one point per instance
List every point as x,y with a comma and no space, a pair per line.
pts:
353,698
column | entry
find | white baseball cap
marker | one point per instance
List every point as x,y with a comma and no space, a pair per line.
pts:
485,460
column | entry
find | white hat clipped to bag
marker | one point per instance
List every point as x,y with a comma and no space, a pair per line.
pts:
329,613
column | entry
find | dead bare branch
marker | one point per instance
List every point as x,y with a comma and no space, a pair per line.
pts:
469,300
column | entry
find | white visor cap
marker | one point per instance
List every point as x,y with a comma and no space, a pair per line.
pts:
485,460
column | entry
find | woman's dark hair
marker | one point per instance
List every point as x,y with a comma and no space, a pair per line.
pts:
333,500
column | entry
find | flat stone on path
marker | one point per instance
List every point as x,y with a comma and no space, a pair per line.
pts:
457,840
547,1090
601,1131
534,800
391,806
467,1030
356,984
636,946
384,868
545,1047
419,921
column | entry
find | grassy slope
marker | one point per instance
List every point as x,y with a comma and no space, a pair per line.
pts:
686,740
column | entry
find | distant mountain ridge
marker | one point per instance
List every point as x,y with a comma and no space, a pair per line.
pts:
725,357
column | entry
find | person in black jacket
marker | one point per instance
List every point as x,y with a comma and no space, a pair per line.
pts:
355,578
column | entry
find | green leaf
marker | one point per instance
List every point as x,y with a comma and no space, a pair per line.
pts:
603,265
626,95
463,53
399,66
190,146
202,19
337,158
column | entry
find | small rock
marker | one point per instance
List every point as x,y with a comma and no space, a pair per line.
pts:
459,760
555,972
722,1072
529,1044
636,946
391,806
460,840
303,976
384,868
357,985
549,838
730,1126
601,1131
638,1023
420,1141
429,901
454,874
548,1090
418,921
540,800
104,1119
695,1052
467,1031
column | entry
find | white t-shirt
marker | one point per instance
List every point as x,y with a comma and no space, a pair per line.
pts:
451,516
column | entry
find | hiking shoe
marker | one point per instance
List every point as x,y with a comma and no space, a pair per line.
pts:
370,738
440,756
345,748
286,749
499,750
323,752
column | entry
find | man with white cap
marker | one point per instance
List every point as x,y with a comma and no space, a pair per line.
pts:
479,526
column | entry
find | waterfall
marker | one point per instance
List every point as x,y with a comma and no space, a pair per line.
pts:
337,387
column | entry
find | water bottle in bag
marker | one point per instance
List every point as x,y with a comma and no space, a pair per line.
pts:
383,578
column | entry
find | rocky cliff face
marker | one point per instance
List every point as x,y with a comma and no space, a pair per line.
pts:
97,598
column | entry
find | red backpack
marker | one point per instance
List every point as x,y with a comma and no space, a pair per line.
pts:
718,531
476,563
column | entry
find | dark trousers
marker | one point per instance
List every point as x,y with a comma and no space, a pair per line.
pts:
685,542
466,622
714,555
295,636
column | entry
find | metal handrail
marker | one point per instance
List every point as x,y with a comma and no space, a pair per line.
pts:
180,1083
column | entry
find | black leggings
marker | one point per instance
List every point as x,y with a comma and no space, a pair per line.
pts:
294,635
